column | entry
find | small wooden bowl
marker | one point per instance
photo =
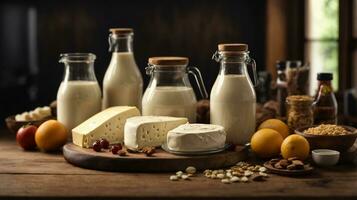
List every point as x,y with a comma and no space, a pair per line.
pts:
335,142
14,125
285,172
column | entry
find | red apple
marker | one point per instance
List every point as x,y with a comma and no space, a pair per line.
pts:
25,137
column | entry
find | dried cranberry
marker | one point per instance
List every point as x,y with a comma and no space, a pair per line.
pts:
97,146
114,149
104,143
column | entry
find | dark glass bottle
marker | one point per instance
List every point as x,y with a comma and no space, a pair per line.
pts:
325,106
281,86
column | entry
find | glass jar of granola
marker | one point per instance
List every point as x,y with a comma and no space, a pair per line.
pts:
299,111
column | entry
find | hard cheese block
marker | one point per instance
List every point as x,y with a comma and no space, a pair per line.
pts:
145,131
196,137
108,124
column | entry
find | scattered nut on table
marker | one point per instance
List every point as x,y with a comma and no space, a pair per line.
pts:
174,178
220,176
190,170
234,179
244,179
262,169
263,174
179,173
226,181
185,177
241,172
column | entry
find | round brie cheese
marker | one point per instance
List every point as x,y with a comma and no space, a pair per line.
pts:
196,137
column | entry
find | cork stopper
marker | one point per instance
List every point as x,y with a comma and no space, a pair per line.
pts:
299,100
121,31
168,60
233,47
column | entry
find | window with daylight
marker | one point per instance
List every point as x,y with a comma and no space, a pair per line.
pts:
322,39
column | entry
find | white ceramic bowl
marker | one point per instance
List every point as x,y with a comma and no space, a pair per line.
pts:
325,157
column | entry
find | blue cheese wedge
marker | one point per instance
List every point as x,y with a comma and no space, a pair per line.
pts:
196,137
108,124
144,131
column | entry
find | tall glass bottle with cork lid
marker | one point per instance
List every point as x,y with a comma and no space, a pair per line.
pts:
123,83
233,98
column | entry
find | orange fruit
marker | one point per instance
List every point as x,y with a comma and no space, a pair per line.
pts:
277,125
51,135
295,146
266,143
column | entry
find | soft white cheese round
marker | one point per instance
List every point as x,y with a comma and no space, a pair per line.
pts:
149,131
196,137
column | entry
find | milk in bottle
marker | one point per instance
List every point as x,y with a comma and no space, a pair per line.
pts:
232,99
169,92
79,95
122,84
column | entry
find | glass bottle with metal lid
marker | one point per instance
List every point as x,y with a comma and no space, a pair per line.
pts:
169,92
233,99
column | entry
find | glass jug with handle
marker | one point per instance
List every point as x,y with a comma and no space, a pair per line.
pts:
169,92
233,99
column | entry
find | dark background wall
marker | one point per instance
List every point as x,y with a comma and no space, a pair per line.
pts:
34,33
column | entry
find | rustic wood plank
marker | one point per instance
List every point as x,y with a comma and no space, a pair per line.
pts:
329,185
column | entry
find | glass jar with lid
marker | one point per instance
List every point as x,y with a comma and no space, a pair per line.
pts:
169,92
233,99
79,95
299,111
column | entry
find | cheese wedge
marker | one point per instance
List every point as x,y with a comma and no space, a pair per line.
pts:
108,124
196,137
145,131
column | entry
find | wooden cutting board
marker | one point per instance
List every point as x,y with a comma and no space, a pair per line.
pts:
161,161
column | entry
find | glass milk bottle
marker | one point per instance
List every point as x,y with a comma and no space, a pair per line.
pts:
79,95
169,92
233,99
122,84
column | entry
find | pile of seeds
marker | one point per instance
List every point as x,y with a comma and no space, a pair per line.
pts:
327,129
241,172
190,171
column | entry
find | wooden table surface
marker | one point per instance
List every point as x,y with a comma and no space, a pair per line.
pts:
35,174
